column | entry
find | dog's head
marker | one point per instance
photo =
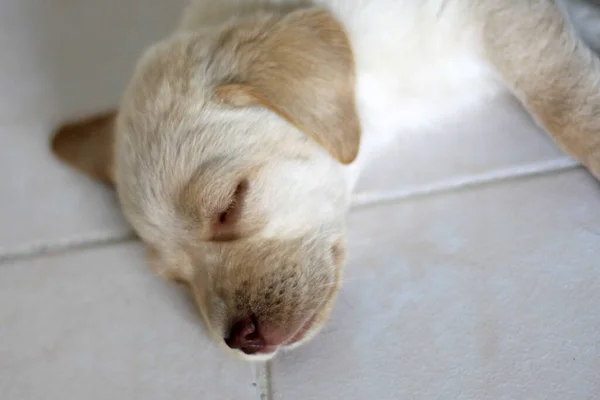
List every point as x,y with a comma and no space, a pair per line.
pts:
227,156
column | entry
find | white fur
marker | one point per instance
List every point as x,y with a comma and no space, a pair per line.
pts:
417,62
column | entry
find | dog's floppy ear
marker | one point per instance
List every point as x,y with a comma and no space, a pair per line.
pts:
301,67
87,145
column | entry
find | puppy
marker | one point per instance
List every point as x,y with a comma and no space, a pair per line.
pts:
240,137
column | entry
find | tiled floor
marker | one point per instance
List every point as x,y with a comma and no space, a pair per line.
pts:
473,248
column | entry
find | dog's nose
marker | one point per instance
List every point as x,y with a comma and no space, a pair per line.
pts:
245,336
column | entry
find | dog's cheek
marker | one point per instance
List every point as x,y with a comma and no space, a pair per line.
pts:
170,266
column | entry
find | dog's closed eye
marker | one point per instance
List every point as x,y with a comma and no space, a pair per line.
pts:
224,223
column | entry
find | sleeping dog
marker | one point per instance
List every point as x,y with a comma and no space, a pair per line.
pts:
240,137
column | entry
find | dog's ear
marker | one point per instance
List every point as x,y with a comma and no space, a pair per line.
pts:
87,145
301,67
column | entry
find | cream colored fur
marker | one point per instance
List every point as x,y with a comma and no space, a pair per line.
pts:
241,136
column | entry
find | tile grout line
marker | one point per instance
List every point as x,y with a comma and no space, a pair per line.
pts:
363,200
359,200
262,378
63,246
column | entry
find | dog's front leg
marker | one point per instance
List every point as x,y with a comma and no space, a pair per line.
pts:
539,57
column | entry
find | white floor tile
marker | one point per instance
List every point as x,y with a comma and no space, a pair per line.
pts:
489,293
97,324
66,58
